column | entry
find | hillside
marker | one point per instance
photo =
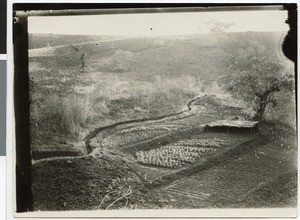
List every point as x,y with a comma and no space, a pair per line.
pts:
51,40
124,123
200,56
138,77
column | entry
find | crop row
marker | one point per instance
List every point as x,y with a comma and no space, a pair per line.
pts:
172,156
126,138
203,142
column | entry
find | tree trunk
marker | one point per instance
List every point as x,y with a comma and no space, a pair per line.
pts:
263,101
261,110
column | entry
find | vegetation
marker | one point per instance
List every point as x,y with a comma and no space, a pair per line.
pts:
219,27
259,83
143,78
62,111
66,115
259,73
216,143
172,156
150,77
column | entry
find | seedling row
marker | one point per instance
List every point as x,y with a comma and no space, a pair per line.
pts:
203,142
172,156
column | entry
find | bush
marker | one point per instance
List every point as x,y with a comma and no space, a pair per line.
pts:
67,115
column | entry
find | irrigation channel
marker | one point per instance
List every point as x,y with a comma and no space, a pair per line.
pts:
91,151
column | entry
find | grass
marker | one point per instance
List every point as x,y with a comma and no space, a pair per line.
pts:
112,100
160,96
132,78
64,115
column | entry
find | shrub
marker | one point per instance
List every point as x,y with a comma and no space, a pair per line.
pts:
67,115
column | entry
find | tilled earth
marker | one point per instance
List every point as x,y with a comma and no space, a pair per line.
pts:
254,179
243,170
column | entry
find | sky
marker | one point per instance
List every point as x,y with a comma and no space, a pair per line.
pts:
158,24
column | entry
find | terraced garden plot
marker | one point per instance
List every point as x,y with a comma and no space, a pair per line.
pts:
172,156
239,178
131,137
